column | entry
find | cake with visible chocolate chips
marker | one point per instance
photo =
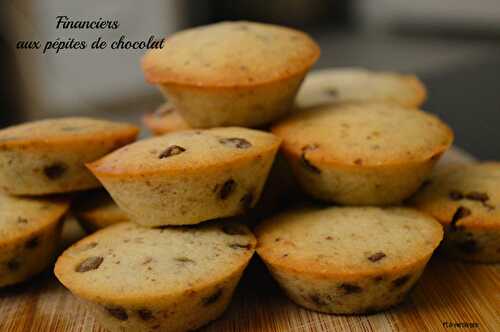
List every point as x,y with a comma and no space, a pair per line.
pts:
347,260
164,120
190,176
465,199
96,209
49,156
166,279
357,84
362,153
29,233
232,73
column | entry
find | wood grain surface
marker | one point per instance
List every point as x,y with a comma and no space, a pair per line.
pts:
448,292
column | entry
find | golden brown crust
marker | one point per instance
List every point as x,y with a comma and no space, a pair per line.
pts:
474,189
110,165
65,131
65,270
347,84
324,149
231,64
314,270
31,215
420,92
273,239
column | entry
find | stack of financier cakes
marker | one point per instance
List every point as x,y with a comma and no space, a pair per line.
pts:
40,161
355,138
168,263
163,259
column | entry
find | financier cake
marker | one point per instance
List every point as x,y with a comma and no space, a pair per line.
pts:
188,177
96,209
357,84
347,260
164,120
362,153
166,279
465,199
49,156
232,73
29,233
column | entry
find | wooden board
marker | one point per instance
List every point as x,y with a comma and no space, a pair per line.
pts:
449,292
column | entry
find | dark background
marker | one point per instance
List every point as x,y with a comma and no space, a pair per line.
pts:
455,51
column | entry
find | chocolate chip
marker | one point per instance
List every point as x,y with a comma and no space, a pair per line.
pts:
88,246
376,256
13,264
307,164
480,197
145,314
147,260
473,196
477,196
227,188
332,92
172,150
212,298
401,281
240,246
460,213
317,299
247,200
329,237
378,278
32,243
358,162
455,195
426,183
234,229
350,288
22,220
235,142
468,247
55,171
184,260
91,263
436,156
117,312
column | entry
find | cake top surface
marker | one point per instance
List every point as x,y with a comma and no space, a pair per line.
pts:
186,151
358,84
463,195
229,54
145,263
364,134
64,130
348,241
20,216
